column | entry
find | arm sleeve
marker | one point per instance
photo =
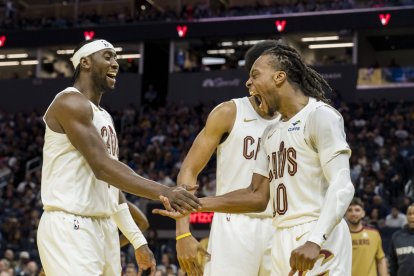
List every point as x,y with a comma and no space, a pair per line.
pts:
123,219
328,137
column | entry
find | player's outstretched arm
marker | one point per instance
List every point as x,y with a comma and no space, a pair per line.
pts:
73,113
248,200
219,123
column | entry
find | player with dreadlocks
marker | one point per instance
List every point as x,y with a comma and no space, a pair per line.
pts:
305,158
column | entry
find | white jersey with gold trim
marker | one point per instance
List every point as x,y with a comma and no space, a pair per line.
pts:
68,182
294,165
237,154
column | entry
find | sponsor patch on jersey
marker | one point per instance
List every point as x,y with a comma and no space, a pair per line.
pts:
293,129
295,126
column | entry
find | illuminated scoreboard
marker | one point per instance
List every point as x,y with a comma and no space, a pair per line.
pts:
198,221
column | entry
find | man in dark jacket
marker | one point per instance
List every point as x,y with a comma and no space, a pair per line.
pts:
402,248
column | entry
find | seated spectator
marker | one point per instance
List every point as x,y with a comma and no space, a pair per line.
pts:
22,263
166,265
396,219
130,270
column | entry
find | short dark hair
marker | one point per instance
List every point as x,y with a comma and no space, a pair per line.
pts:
77,69
357,201
257,50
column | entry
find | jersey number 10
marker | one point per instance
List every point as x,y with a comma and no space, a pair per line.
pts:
280,200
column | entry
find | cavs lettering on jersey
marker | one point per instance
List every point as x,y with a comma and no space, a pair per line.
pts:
241,147
68,183
366,251
290,159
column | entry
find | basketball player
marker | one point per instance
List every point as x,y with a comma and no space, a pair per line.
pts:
81,176
305,157
233,128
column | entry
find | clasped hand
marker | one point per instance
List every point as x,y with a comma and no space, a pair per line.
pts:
180,200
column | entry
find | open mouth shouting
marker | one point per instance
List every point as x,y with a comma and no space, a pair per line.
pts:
259,101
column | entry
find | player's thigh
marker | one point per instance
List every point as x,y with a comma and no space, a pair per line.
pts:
284,242
112,249
268,233
69,245
336,253
235,246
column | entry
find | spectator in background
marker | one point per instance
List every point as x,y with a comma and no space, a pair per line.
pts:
406,202
131,270
402,248
395,219
10,10
150,96
26,183
166,264
9,255
5,267
5,172
368,257
22,263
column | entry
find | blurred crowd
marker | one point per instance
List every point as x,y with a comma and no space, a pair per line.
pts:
14,14
154,140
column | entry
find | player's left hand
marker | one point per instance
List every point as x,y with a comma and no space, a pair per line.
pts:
145,259
169,211
304,257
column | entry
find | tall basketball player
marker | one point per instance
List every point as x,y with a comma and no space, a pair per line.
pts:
234,129
305,157
81,176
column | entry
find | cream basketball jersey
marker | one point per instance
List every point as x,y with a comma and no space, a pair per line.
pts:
237,154
68,183
294,165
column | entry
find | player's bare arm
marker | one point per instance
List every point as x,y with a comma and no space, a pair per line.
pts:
248,200
219,123
251,199
71,114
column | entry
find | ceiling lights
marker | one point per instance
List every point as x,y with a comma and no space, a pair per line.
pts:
331,45
319,38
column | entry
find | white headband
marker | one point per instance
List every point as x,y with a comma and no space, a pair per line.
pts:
89,49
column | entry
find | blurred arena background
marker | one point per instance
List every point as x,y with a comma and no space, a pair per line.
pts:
178,58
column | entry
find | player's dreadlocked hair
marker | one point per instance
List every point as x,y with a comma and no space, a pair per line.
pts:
311,83
77,69
257,50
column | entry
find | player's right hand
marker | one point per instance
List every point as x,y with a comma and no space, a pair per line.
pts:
191,256
181,200
145,259
168,211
